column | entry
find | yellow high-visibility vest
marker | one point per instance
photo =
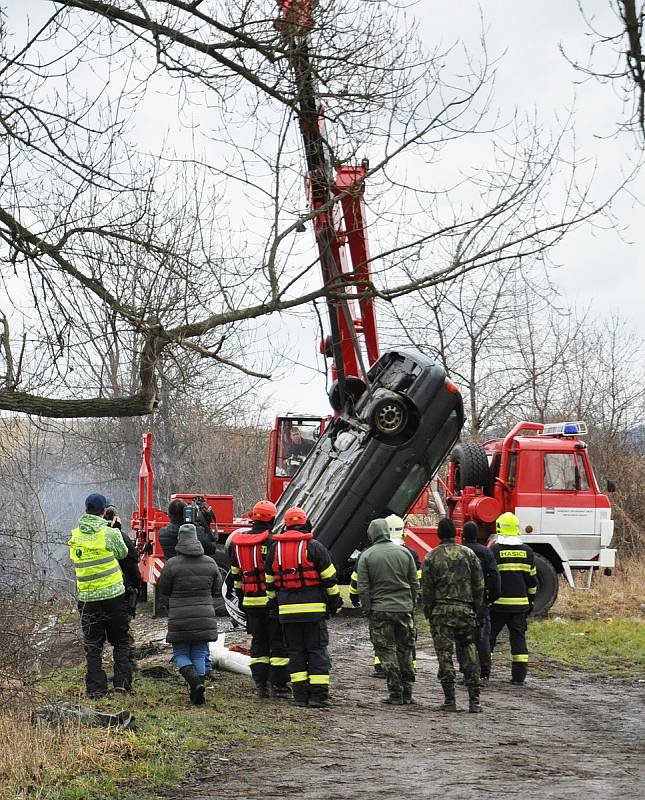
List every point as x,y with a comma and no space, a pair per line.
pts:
96,566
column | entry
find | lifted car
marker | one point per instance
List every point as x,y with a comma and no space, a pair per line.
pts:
375,458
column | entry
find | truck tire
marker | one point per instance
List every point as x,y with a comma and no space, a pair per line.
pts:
389,416
471,467
547,586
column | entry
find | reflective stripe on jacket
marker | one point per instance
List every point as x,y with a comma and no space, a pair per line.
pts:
95,564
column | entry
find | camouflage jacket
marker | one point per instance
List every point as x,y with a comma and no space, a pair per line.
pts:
452,574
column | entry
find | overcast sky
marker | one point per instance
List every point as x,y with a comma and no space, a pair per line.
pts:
601,268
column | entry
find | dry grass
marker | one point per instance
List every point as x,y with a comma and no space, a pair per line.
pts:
617,596
33,758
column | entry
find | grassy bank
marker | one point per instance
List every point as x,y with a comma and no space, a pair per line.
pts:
612,647
76,763
618,595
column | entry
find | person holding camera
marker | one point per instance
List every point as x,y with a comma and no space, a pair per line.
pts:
95,549
179,513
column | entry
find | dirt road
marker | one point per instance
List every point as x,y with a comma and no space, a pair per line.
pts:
564,735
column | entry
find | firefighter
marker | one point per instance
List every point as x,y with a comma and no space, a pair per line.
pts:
389,588
249,547
516,564
95,549
304,579
453,593
492,588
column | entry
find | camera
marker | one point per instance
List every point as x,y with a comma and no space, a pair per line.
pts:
194,511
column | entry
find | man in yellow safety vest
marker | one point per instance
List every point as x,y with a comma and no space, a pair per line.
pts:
95,549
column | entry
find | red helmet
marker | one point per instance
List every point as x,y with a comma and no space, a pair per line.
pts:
264,511
294,516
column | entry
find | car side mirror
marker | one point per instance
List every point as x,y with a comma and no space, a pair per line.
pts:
611,486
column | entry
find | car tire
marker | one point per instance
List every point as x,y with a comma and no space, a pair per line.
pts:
354,390
471,467
547,586
389,416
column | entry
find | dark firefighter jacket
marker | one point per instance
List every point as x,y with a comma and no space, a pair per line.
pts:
191,580
250,578
516,564
387,573
452,575
304,576
168,540
492,581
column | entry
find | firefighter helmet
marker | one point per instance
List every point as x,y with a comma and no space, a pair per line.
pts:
395,524
507,525
295,516
264,511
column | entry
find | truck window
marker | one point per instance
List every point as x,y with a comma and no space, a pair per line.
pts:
564,472
512,469
295,439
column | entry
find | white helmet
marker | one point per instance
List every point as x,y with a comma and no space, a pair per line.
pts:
395,524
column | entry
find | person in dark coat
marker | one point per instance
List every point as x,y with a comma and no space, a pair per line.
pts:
168,535
492,590
191,580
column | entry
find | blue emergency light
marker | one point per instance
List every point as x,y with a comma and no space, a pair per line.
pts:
564,429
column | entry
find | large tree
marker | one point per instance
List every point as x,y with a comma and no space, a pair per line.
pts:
122,247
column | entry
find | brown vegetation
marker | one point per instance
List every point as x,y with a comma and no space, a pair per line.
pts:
619,595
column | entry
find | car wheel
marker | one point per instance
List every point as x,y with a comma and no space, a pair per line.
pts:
471,466
354,390
389,416
547,586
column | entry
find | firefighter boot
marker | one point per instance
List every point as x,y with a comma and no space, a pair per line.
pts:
300,694
518,672
281,692
195,684
261,690
449,703
473,700
379,672
319,697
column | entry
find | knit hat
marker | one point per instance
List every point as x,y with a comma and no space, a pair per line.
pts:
470,532
187,542
446,529
96,503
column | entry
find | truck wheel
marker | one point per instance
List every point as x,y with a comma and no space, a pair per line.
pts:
547,586
389,416
471,466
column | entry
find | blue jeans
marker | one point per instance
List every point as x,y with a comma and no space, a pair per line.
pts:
187,653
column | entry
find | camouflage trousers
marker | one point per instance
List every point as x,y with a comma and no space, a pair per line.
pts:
393,635
452,623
